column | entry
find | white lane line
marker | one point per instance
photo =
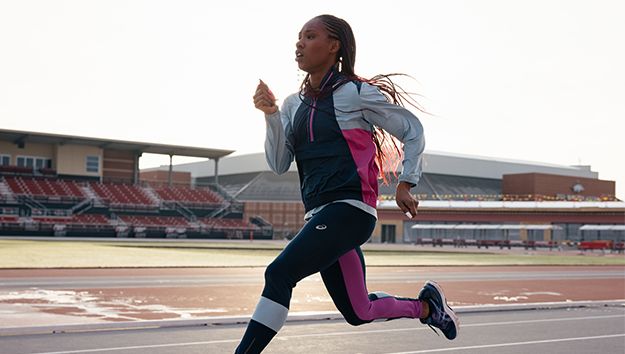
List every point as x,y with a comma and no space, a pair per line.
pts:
141,347
539,321
512,344
461,326
331,334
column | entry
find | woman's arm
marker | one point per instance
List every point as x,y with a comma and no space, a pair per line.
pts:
407,128
278,146
278,149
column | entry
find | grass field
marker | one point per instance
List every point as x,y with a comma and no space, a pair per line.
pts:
109,254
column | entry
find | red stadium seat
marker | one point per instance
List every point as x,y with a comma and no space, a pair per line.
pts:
121,193
87,219
155,221
189,195
8,218
43,187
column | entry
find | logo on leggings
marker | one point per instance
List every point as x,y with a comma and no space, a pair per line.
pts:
321,227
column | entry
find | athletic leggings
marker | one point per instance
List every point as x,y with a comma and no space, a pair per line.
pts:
328,243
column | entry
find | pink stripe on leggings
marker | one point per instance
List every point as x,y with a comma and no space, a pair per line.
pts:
387,307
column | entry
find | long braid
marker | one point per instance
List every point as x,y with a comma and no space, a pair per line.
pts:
388,148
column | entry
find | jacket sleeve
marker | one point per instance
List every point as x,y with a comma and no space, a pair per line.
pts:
278,139
400,123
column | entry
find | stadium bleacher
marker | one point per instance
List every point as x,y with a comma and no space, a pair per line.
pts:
189,195
155,220
43,187
121,193
51,220
36,199
90,219
8,218
446,187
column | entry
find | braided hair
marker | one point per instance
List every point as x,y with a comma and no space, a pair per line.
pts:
388,148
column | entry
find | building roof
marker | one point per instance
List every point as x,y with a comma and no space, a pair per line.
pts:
434,162
260,186
268,186
24,137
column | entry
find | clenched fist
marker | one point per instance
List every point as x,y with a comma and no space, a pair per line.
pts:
264,99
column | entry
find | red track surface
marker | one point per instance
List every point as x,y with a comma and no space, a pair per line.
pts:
235,291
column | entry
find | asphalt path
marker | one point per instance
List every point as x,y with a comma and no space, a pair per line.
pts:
563,330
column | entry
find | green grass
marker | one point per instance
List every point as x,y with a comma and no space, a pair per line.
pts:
104,254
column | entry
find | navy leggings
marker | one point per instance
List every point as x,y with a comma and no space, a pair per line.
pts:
328,243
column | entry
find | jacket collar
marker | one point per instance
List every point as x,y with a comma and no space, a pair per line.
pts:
328,84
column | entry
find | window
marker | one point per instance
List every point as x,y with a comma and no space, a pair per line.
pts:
93,164
25,161
5,160
388,233
21,161
34,162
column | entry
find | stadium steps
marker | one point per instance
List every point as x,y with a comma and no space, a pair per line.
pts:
93,196
151,194
6,191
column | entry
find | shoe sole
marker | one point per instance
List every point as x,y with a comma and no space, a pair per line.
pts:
448,309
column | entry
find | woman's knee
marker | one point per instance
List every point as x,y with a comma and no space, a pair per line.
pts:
275,271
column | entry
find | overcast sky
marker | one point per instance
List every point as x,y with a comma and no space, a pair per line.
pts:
535,80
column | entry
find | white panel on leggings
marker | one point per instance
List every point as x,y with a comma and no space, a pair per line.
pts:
270,314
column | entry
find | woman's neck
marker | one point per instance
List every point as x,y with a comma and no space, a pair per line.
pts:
315,81
315,78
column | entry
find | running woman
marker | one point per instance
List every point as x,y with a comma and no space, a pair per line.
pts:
335,128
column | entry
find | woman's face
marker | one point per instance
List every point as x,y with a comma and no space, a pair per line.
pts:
315,50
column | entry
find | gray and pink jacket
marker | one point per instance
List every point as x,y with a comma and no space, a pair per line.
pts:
330,138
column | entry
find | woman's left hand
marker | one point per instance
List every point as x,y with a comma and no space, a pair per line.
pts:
405,200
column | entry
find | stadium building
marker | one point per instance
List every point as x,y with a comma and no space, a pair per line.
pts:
66,185
463,200
78,186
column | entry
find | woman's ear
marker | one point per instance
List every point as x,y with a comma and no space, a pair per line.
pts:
335,46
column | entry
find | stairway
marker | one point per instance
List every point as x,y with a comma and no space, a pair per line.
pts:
93,196
6,191
151,194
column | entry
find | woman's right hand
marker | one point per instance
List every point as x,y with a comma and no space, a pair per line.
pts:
264,99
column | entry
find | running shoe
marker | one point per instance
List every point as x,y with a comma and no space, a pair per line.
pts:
441,315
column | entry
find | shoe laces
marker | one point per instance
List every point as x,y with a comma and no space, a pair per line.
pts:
439,319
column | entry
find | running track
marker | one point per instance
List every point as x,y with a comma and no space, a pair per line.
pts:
570,331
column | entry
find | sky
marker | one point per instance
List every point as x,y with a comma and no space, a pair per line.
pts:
533,80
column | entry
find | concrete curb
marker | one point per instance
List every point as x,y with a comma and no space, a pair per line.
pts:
293,317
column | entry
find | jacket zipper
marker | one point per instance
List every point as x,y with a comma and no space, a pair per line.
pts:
311,134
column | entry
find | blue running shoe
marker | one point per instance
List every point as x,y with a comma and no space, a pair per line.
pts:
441,315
